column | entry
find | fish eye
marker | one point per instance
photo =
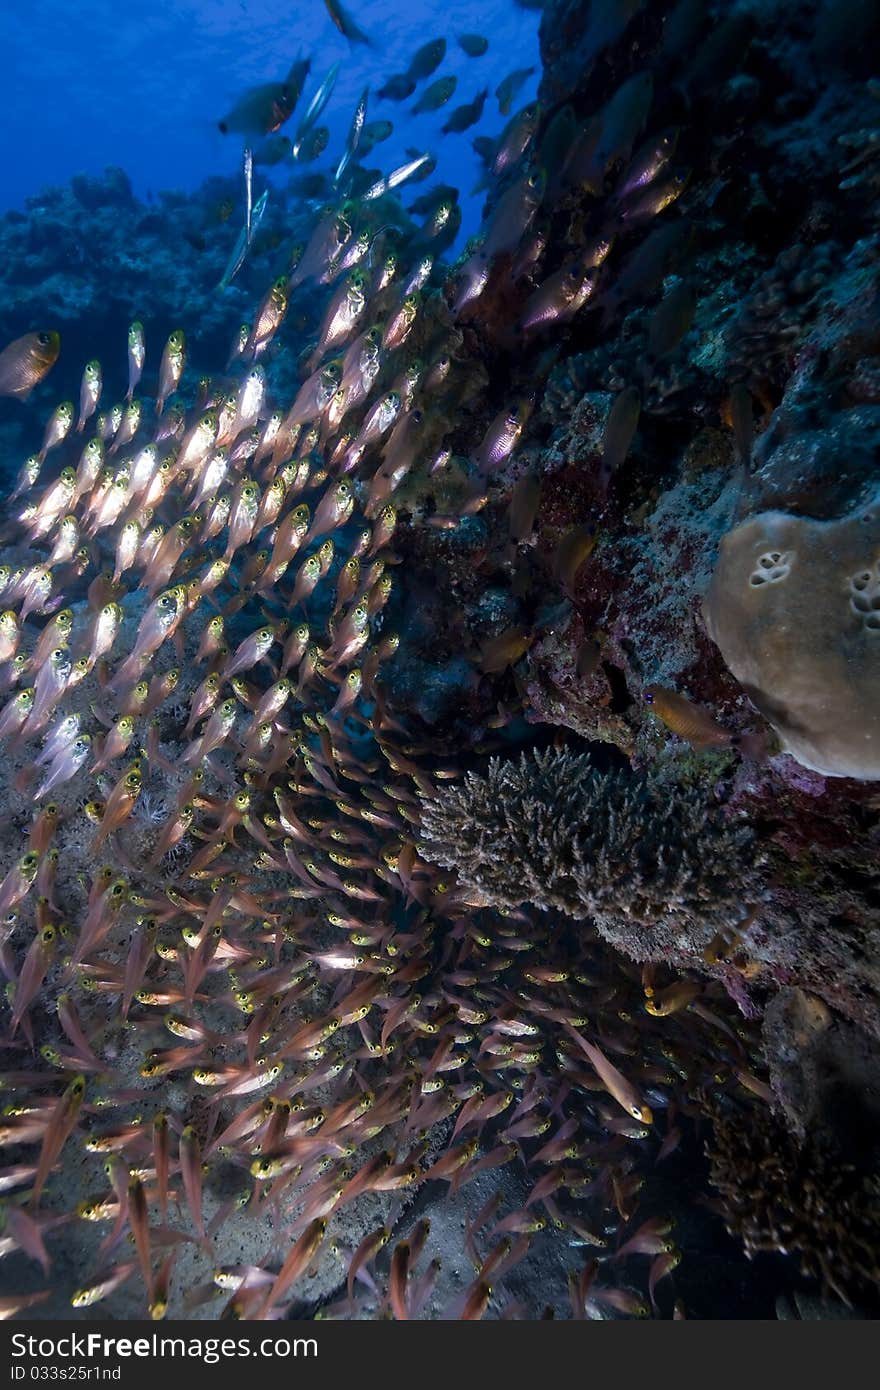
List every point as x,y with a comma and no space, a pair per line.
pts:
43,339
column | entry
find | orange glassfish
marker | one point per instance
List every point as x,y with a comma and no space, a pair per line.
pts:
298,1259
161,1288
686,719
190,1158
120,803
138,1216
616,1084
401,1262
663,1265
620,428
504,650
171,367
574,548
476,1301
523,510
25,1232
103,1287
33,971
675,997
366,1251
649,1239
62,1122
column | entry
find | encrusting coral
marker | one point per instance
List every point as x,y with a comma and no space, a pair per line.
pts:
794,606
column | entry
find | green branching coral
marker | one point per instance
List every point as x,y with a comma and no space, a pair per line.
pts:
657,870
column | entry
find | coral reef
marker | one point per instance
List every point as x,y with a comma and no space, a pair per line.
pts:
296,617
91,257
765,338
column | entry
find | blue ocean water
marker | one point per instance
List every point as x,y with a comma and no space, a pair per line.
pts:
143,85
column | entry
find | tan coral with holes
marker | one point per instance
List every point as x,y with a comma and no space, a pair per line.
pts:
794,606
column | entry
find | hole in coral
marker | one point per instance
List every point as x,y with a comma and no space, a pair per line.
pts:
620,696
873,622
773,566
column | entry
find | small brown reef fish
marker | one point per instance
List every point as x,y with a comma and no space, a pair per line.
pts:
26,361
697,726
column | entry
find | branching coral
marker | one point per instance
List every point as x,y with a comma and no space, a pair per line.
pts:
553,830
778,1195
